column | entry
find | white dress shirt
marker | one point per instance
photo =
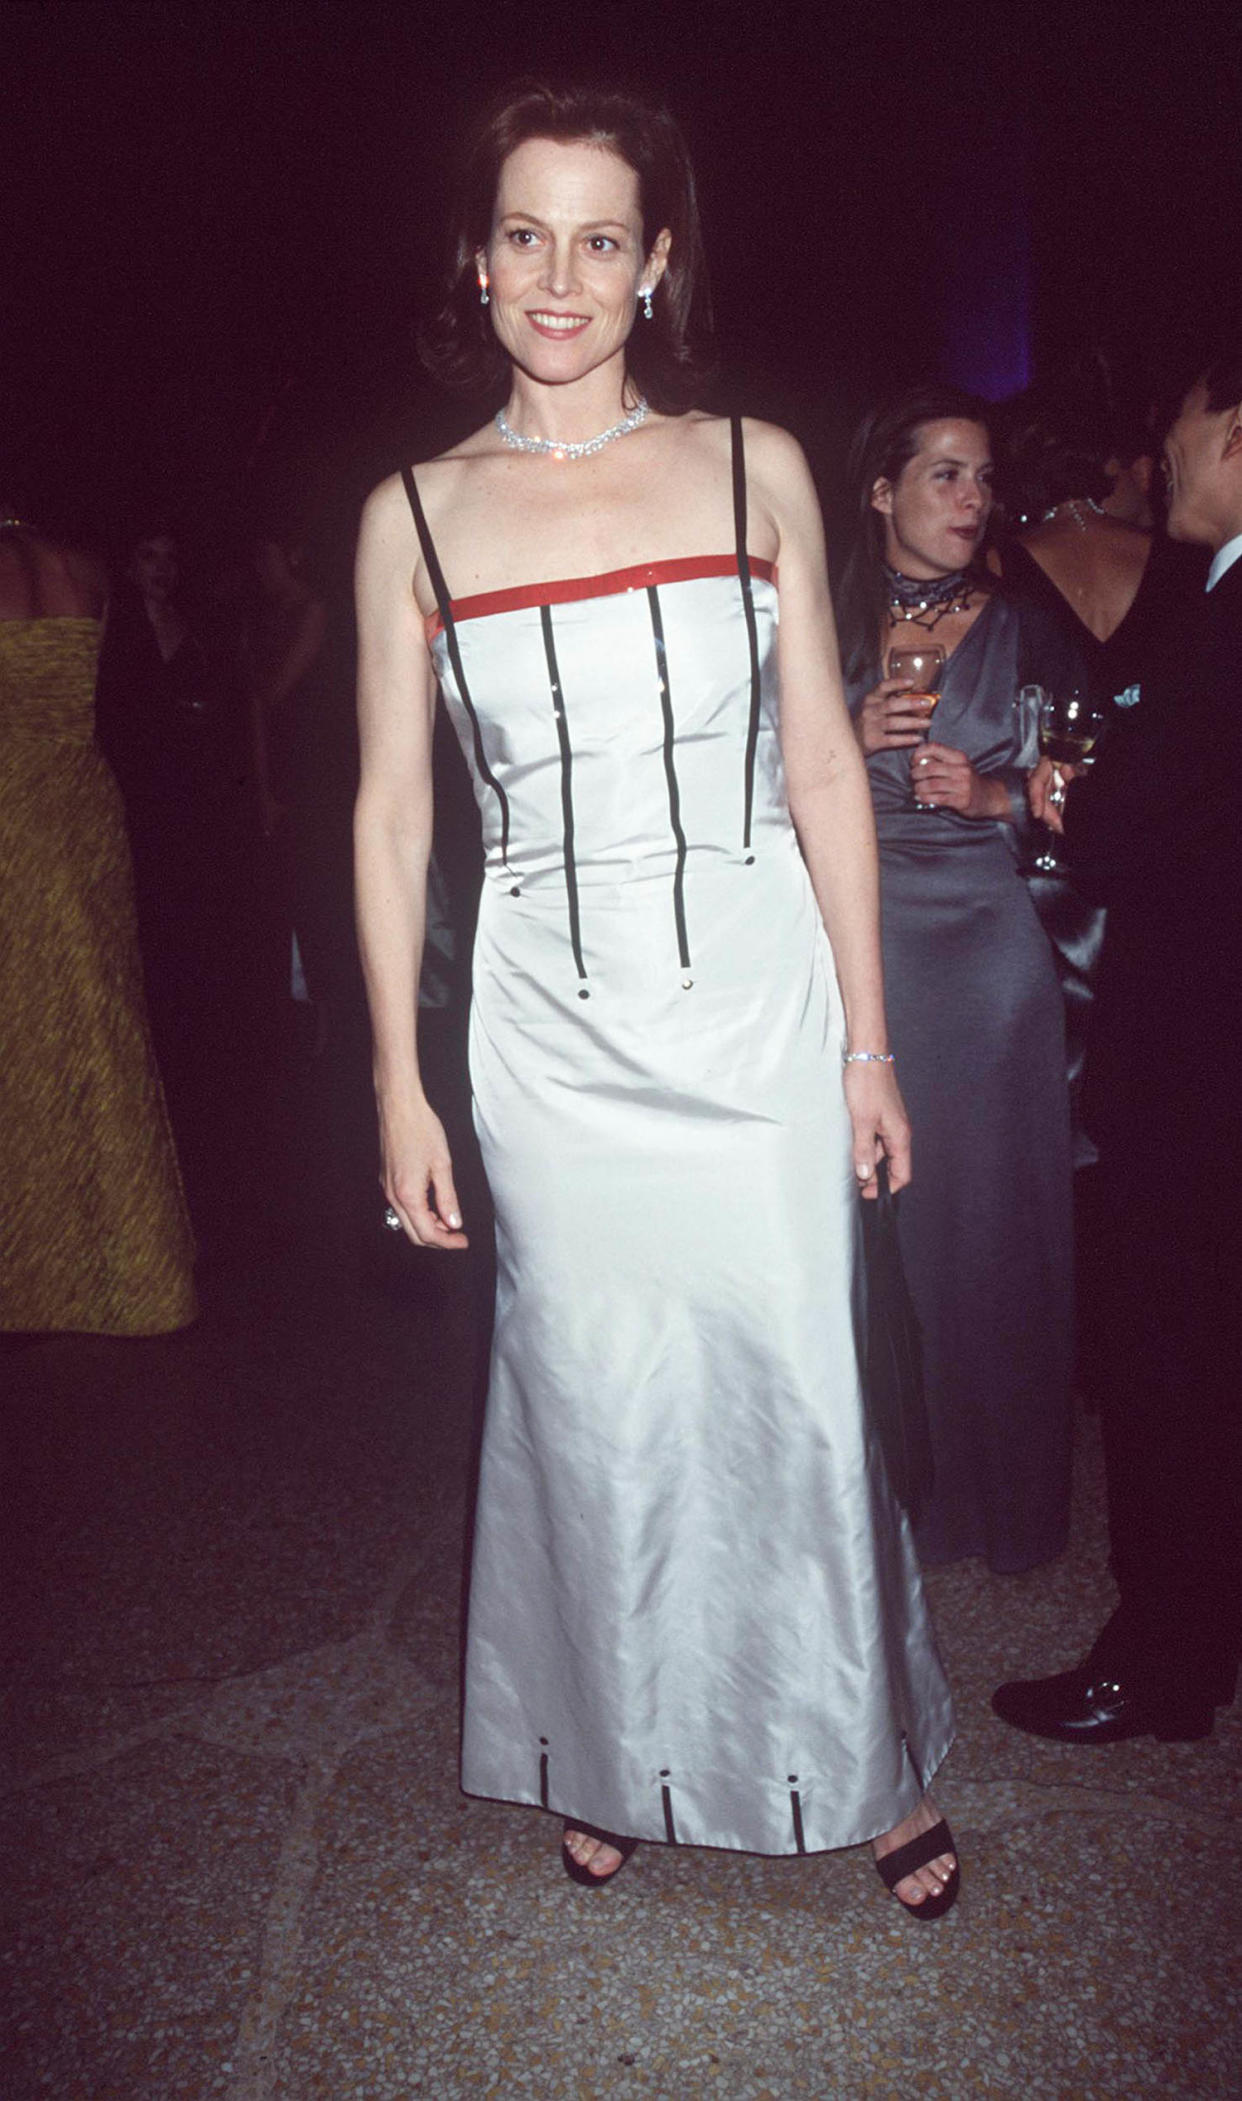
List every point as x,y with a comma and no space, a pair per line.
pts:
1224,558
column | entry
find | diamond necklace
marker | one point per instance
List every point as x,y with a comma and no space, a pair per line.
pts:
1074,504
558,449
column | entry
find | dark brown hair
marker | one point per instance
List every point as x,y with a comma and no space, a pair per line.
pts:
664,355
1052,453
884,445
1222,379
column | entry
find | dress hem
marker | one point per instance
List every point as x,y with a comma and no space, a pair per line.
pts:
924,1778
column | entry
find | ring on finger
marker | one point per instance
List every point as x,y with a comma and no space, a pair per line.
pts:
392,1221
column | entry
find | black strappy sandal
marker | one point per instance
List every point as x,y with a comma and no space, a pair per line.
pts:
583,1876
893,1868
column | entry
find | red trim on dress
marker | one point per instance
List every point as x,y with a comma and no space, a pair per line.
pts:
565,590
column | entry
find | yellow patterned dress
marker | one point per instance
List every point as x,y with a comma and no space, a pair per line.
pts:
94,1235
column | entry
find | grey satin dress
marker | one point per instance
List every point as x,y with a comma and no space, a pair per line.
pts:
976,1018
695,1611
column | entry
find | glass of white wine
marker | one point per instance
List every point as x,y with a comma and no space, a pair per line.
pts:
925,667
1069,728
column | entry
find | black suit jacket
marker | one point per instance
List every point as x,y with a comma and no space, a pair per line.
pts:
1155,832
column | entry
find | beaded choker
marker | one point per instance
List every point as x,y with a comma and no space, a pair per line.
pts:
926,600
557,449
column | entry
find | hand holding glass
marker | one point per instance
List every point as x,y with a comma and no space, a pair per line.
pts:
1069,725
926,668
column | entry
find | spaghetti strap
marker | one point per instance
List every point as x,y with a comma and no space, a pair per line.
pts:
445,607
752,631
428,545
739,500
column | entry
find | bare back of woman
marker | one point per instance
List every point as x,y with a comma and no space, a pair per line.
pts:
1096,562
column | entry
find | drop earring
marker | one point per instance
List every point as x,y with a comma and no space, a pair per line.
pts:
484,299
645,296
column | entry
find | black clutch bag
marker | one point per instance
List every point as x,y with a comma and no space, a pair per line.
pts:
893,1364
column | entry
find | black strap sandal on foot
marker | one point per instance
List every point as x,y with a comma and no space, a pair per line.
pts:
583,1876
919,1852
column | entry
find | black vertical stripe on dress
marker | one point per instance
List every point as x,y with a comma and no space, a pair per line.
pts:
795,1801
752,632
567,797
445,605
670,774
670,1828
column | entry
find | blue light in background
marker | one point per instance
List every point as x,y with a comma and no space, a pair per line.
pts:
983,279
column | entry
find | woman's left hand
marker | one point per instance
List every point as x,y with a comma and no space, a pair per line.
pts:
880,1125
944,779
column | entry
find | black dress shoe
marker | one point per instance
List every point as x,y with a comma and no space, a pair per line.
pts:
1094,1706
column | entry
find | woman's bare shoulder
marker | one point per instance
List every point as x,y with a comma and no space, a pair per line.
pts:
777,474
771,441
387,498
764,443
440,480
777,469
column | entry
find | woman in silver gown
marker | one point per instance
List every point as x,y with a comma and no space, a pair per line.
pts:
695,1611
973,996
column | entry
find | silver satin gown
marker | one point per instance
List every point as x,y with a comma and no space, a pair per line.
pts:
977,1021
695,1612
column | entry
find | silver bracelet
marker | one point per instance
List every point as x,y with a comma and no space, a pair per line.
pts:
868,1058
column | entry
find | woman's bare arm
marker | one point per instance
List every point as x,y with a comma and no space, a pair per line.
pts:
829,798
392,844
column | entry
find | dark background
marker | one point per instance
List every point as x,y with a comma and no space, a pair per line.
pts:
222,220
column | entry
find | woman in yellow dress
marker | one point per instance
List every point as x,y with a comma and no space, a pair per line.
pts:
94,1235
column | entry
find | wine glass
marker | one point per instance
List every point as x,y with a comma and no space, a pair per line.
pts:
1068,726
926,667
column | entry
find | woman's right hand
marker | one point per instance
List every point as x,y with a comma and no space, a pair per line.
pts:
416,1175
891,717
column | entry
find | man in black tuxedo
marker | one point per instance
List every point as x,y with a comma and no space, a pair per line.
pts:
1156,828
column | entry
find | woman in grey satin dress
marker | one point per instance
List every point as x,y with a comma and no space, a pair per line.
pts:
973,997
695,1611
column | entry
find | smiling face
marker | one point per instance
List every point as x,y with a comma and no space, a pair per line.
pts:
1202,472
564,261
936,511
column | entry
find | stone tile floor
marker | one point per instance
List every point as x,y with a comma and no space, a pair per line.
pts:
238,1864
